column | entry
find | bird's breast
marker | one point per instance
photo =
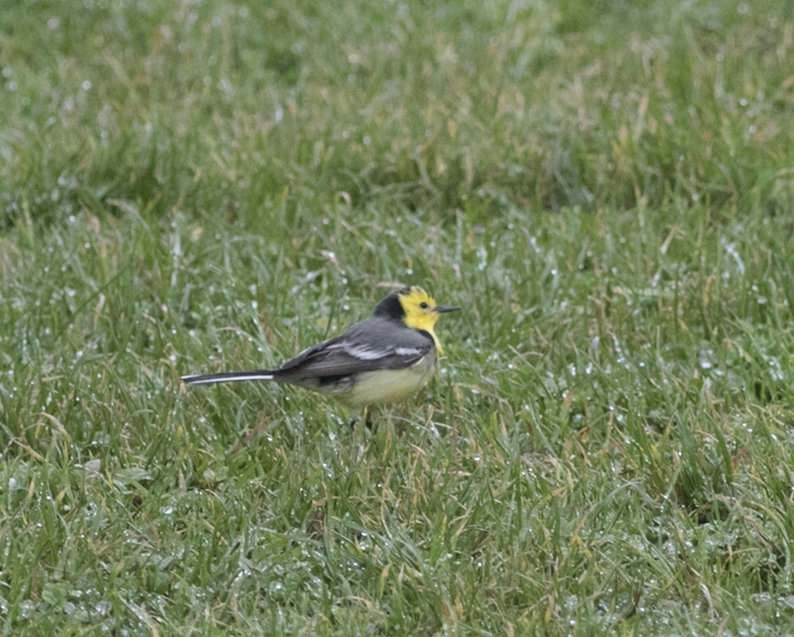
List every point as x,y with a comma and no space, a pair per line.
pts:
390,385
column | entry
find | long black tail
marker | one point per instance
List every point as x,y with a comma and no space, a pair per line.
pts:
227,377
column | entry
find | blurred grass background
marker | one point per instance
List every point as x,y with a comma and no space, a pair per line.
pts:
607,189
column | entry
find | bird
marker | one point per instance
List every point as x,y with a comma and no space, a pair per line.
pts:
383,359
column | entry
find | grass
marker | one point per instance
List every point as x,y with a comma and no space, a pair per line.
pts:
606,188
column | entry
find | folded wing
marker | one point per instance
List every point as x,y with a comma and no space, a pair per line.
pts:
366,349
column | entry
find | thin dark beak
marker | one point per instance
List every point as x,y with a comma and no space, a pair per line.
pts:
441,309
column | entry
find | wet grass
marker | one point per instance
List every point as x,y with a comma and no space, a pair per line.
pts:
605,188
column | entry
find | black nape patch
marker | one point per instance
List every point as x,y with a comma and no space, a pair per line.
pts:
391,308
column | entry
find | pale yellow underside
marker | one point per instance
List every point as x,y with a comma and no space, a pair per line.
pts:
388,385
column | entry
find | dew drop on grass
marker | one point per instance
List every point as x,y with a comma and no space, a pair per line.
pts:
482,258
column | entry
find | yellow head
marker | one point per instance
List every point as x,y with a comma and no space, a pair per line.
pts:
415,308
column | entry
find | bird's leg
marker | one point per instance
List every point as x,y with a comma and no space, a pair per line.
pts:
365,415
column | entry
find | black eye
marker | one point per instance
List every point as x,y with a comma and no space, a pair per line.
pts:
423,305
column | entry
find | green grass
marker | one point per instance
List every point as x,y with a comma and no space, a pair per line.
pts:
607,190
